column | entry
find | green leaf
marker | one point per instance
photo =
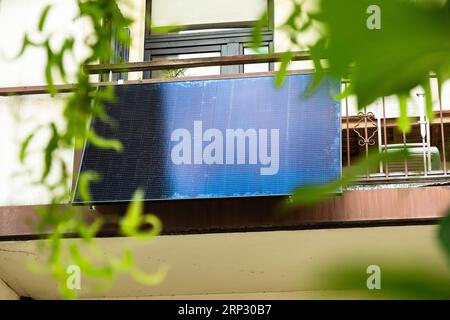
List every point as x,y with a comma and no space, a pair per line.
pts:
84,180
149,279
50,150
58,58
428,101
167,29
403,121
87,266
134,219
319,74
291,21
24,147
312,194
43,17
104,143
257,37
88,232
413,42
26,42
51,61
286,58
444,234
398,281
125,264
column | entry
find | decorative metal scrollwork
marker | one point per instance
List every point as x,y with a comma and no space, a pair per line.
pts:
370,119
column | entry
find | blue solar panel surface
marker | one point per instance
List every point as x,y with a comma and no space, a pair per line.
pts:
235,137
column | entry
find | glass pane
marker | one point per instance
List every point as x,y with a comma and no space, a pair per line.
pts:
256,67
205,12
208,30
201,71
187,72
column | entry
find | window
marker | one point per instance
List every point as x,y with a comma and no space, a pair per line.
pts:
257,67
220,28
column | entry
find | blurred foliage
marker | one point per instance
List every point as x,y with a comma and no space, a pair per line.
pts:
174,73
83,103
444,234
398,281
412,43
309,195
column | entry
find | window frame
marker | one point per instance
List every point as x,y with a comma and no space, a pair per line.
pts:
227,42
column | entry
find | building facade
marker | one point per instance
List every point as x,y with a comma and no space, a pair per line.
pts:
225,248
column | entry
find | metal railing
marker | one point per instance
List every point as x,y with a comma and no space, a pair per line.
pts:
372,127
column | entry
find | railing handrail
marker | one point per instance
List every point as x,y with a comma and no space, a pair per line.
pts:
143,66
194,62
157,65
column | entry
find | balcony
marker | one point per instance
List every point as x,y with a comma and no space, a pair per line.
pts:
374,127
368,201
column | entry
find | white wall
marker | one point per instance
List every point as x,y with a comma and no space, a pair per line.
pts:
283,9
135,9
6,293
21,115
193,12
241,265
18,17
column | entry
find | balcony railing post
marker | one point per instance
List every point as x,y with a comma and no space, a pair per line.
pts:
385,134
366,137
380,142
441,115
347,121
406,159
423,129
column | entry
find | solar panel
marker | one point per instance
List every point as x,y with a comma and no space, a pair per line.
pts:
237,137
